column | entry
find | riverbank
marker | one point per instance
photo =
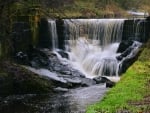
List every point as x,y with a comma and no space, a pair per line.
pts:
132,93
15,79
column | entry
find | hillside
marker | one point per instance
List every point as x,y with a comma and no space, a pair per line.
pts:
96,8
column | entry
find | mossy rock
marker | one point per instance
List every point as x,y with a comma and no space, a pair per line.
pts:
15,79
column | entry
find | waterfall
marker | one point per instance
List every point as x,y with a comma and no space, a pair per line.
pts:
105,31
53,33
92,45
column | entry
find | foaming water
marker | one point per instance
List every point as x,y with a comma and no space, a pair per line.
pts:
91,44
93,59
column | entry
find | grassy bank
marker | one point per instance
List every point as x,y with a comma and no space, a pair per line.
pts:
132,93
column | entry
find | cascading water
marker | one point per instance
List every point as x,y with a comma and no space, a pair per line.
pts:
53,33
105,31
92,45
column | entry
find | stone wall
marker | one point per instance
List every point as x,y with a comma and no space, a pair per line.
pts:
136,30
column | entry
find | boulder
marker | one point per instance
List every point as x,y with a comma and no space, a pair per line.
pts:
110,81
129,56
124,45
63,54
60,89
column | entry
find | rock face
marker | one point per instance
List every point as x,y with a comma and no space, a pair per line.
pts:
47,63
21,36
44,34
124,45
54,67
136,30
129,55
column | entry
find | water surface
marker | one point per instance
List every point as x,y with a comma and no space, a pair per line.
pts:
73,101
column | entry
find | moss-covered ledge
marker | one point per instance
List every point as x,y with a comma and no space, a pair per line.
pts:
132,93
14,79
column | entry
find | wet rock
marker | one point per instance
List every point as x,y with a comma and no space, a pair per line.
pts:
148,18
60,89
76,73
124,45
60,31
38,58
44,34
129,56
87,82
38,62
125,53
74,81
110,84
99,80
21,36
63,54
66,72
110,81
22,58
48,65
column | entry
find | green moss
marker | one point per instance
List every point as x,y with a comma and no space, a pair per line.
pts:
131,88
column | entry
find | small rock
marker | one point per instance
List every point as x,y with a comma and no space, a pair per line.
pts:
99,80
63,54
110,84
87,82
60,89
65,72
73,80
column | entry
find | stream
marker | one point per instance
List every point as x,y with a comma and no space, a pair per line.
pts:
73,101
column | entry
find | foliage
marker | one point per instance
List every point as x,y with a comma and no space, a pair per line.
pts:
94,8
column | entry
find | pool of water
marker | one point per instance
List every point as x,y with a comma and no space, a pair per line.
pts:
73,101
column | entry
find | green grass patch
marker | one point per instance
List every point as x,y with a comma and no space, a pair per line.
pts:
131,88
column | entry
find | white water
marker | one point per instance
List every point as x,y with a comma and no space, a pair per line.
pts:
105,31
46,73
92,45
53,34
93,60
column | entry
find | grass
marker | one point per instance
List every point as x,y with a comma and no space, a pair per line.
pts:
132,88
